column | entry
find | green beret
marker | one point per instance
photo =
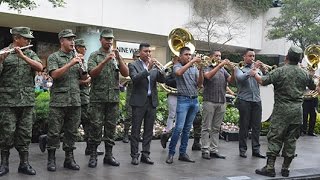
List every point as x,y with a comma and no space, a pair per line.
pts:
22,31
79,42
66,33
107,33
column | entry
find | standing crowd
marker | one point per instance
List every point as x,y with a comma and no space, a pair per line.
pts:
88,94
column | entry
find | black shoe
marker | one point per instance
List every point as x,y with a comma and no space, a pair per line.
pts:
206,155
169,159
140,139
185,157
135,161
26,169
312,134
146,160
43,140
111,161
243,155
285,172
87,152
217,155
265,172
258,155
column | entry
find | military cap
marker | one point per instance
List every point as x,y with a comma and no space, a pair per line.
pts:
22,31
295,52
79,42
107,33
66,33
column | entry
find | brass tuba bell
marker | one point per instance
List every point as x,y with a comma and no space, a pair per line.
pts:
312,56
179,38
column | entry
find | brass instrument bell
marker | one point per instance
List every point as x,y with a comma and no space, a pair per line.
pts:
312,56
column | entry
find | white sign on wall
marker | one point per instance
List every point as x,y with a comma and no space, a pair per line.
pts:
127,49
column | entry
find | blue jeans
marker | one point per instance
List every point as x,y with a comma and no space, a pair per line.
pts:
187,109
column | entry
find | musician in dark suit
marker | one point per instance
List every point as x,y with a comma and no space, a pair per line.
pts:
144,100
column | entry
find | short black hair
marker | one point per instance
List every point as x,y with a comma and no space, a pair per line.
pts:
213,51
143,45
183,49
246,51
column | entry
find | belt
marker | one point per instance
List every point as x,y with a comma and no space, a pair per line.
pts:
190,97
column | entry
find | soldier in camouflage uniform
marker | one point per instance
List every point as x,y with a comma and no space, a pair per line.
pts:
104,66
17,71
65,103
289,84
80,47
127,121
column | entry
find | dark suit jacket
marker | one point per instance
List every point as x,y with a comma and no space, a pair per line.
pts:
139,77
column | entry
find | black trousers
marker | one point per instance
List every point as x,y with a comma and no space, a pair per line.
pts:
309,109
148,114
250,118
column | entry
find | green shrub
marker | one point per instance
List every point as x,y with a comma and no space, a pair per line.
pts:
40,115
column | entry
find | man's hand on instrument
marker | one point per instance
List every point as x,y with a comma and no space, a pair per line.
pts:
109,57
75,60
253,72
150,63
257,64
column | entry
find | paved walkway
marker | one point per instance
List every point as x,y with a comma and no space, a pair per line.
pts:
305,166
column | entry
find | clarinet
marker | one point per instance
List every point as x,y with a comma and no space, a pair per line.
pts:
82,69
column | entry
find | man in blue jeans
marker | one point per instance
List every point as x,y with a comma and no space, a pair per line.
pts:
188,79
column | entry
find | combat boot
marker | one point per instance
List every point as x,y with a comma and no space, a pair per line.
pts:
285,166
69,161
93,156
196,144
108,158
4,168
268,170
51,165
24,166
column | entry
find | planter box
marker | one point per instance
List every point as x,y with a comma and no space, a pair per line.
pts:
230,135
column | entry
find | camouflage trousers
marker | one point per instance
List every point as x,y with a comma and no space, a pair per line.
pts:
16,127
63,119
282,136
85,120
103,115
197,125
128,117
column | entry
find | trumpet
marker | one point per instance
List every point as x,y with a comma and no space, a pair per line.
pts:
12,49
268,67
159,66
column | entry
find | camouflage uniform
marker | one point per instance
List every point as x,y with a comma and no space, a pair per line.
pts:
289,83
127,121
104,101
17,99
16,104
85,116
